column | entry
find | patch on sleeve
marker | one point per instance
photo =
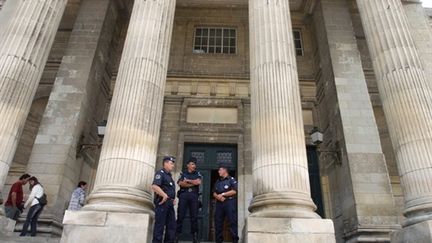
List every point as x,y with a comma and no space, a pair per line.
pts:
158,176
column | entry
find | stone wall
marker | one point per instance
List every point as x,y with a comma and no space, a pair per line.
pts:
183,62
353,163
330,124
111,50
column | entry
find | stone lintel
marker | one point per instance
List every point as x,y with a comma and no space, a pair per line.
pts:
286,230
107,227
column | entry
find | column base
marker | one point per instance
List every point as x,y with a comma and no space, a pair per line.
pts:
416,233
107,227
7,226
286,230
283,205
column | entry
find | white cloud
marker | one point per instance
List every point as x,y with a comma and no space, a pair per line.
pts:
427,3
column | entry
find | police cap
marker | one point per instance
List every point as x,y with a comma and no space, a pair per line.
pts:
169,158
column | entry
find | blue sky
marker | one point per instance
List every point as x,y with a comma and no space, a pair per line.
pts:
427,3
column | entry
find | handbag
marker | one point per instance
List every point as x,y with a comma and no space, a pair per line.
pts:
43,200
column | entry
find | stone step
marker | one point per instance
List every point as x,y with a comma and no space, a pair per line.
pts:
17,239
38,239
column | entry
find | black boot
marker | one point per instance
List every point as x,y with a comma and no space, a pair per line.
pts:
177,239
195,238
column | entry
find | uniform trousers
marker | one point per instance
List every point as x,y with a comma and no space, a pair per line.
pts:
188,201
164,221
227,208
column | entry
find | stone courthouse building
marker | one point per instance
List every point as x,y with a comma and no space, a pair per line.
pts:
242,82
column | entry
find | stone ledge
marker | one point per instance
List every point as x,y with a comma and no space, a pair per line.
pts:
283,225
417,233
285,230
107,227
85,218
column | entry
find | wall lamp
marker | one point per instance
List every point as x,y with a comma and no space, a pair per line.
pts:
101,127
317,138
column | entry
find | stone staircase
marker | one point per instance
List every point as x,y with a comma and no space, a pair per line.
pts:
10,231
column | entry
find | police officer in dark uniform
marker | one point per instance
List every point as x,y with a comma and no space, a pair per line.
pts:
225,192
189,183
164,188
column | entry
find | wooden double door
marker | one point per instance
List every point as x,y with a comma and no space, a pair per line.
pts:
208,156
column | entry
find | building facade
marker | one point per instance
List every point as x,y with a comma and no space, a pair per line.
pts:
238,82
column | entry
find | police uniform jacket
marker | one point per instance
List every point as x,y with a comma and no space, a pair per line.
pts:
164,180
190,176
225,184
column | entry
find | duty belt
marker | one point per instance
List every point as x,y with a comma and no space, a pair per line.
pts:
189,190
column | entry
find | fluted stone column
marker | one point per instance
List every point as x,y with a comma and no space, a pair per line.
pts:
24,48
406,96
128,156
421,32
280,171
121,202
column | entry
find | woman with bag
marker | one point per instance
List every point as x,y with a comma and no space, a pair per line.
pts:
37,201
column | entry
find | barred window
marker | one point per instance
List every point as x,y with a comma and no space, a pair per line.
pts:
298,43
215,40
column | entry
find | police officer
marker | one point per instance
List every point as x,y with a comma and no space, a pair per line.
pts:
225,191
164,188
189,183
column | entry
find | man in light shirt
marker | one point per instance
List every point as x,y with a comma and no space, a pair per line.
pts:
78,197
